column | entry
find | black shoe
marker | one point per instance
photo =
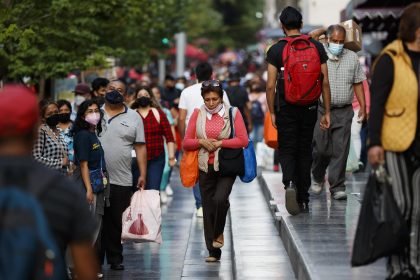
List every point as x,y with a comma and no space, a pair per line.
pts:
304,207
117,266
291,203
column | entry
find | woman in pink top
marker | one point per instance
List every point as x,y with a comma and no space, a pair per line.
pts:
208,130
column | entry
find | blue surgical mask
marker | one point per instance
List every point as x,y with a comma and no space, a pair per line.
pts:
335,49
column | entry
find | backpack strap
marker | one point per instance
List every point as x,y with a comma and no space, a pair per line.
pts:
231,120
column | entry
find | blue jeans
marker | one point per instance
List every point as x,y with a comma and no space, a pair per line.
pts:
155,168
197,195
257,133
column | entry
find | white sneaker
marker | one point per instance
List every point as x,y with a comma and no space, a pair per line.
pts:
317,187
163,197
340,195
200,212
169,190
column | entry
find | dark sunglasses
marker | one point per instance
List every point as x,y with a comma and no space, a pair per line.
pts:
211,83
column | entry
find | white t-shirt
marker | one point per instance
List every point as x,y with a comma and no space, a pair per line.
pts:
191,99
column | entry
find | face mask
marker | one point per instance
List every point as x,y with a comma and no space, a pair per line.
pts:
180,86
335,49
64,118
143,101
93,118
215,110
114,97
78,100
52,121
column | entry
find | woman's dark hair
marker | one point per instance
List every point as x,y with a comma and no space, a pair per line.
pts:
291,18
409,23
43,105
80,123
154,102
213,86
63,102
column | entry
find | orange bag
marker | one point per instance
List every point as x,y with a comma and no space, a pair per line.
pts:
189,168
270,132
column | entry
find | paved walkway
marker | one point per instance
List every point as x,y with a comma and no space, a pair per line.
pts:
256,251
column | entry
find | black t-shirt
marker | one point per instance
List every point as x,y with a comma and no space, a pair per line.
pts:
169,95
275,58
63,202
380,88
238,97
87,147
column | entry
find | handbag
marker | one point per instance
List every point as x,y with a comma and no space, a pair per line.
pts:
250,163
188,168
231,161
381,229
98,179
270,132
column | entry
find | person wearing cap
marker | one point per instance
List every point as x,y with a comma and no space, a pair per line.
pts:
81,93
50,147
122,132
61,202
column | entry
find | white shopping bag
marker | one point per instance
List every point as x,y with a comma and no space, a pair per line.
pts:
142,219
265,156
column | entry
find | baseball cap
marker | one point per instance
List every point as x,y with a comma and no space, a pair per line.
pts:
19,111
82,89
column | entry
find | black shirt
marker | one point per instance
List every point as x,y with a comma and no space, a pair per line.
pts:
275,58
380,88
238,97
63,202
87,147
169,95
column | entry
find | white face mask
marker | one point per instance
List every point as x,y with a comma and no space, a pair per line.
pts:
79,99
179,86
215,110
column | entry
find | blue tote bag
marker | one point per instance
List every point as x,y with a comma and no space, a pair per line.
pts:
250,163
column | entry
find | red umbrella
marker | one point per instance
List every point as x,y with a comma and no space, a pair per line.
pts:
192,52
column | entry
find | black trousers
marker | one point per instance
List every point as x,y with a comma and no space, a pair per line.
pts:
112,224
215,191
295,126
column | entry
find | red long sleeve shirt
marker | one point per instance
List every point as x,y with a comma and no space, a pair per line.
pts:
213,129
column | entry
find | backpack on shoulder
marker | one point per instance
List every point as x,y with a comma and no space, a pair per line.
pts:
27,247
302,71
257,113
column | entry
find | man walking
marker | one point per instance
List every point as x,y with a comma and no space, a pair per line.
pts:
239,97
291,111
331,148
191,99
122,132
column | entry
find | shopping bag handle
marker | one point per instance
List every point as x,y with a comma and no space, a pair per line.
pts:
381,174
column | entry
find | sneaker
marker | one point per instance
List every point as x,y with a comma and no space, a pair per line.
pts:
163,197
317,187
291,203
200,212
169,190
304,207
340,195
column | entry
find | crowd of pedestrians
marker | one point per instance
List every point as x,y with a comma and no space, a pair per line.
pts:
117,138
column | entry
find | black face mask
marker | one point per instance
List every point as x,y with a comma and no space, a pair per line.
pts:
114,97
143,101
64,118
53,120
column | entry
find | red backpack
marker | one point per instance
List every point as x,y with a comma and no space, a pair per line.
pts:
302,71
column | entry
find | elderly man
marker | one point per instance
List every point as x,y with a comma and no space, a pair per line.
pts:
331,148
122,132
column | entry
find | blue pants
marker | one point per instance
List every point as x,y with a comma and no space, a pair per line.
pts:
197,195
155,168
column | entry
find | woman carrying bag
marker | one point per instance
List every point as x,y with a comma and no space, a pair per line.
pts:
209,130
394,132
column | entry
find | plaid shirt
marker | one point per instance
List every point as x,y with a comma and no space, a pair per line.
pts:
342,74
154,132
49,151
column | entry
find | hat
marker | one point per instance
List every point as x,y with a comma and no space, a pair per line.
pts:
18,110
82,89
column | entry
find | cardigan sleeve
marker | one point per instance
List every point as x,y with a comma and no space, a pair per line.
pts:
190,142
240,140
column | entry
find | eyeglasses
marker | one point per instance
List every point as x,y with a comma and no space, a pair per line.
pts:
211,83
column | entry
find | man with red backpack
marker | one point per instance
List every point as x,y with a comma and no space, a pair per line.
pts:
297,74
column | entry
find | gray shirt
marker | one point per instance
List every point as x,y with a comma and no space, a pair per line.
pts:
119,134
343,73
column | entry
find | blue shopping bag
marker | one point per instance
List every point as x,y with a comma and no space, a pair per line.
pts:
250,163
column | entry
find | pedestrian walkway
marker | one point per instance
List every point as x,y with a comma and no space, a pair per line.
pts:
320,243
255,251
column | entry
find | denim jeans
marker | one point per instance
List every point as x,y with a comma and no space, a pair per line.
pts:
197,195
